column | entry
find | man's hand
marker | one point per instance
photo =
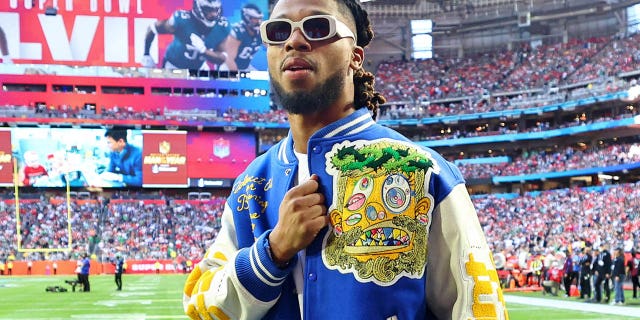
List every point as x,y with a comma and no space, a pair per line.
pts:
302,215
197,44
147,62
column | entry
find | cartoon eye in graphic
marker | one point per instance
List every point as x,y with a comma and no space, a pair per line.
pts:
361,191
396,193
353,219
372,213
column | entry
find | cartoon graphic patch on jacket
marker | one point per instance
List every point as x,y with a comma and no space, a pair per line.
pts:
381,211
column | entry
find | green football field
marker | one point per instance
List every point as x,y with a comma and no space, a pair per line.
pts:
142,297
527,312
160,297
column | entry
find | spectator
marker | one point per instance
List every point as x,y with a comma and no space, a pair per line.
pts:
618,275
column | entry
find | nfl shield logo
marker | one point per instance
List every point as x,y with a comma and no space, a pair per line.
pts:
164,147
221,148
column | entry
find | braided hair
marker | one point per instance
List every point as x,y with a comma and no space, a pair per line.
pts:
365,95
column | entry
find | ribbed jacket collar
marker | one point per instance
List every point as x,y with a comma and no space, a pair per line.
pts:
352,124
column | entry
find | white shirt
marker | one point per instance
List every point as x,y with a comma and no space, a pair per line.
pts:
298,271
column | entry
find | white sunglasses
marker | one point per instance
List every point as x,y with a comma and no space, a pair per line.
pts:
314,28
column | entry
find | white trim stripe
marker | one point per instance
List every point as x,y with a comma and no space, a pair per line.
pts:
347,125
254,259
282,153
361,128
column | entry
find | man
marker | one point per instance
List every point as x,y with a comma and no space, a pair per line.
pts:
618,274
84,273
343,218
571,271
119,264
602,273
198,36
79,270
125,160
585,273
554,276
157,266
244,40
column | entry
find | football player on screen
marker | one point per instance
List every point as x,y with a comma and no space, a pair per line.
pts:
244,40
198,36
4,48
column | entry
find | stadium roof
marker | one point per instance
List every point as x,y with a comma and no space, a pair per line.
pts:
465,10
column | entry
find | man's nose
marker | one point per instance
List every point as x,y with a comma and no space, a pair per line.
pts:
297,41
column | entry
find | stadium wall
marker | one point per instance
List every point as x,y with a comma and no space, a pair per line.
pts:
69,267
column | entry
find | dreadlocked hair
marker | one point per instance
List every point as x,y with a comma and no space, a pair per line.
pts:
365,94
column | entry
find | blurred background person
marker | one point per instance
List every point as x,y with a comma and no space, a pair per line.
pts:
119,264
618,274
585,273
85,269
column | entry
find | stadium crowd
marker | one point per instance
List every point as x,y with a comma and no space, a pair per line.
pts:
570,158
563,218
137,228
543,239
521,71
522,78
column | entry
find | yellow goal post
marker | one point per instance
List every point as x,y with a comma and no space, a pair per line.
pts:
16,184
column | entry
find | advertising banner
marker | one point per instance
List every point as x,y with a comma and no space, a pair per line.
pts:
218,155
79,157
116,158
164,162
185,34
6,158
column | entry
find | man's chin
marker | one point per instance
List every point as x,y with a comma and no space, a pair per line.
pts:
304,98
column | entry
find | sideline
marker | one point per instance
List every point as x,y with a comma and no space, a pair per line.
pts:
577,306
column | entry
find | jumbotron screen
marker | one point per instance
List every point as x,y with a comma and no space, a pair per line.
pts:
148,33
116,158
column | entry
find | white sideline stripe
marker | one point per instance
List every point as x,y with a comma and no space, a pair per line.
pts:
137,316
136,290
115,317
576,306
87,309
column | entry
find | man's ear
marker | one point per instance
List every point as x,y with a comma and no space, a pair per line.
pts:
357,57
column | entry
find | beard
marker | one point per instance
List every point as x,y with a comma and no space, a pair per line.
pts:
309,102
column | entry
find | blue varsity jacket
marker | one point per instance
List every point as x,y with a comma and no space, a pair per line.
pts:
404,240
